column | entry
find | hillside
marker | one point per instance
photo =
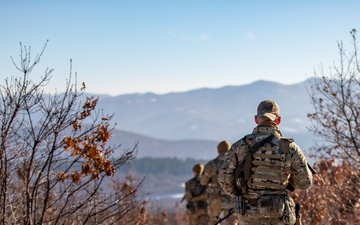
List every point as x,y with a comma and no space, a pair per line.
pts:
190,124
207,114
153,147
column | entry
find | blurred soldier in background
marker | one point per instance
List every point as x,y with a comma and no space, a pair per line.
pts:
260,167
218,201
195,195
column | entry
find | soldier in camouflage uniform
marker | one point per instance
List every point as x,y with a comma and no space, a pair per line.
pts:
262,182
195,195
218,201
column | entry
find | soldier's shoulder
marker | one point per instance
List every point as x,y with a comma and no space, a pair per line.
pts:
211,163
290,142
190,181
241,141
287,139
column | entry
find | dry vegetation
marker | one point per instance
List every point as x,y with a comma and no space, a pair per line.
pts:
335,196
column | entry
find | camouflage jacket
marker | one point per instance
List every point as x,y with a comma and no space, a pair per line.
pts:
273,166
210,175
194,191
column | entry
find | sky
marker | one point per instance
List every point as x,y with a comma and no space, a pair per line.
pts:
162,46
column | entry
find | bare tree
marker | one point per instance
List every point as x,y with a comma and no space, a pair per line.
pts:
55,165
336,101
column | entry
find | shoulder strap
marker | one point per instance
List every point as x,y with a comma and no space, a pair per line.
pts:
259,144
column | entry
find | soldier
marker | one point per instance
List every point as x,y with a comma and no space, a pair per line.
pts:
218,201
259,167
195,195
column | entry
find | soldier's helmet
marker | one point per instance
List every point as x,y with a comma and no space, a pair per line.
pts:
223,147
198,169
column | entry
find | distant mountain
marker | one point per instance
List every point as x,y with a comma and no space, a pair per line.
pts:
192,123
210,114
152,147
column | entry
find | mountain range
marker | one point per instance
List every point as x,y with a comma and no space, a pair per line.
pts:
190,124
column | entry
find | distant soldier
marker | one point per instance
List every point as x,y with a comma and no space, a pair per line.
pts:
218,201
195,195
260,167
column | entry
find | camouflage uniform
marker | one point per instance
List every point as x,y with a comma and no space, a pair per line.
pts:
195,195
218,201
273,166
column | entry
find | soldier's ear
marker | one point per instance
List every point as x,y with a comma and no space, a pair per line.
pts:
278,120
256,119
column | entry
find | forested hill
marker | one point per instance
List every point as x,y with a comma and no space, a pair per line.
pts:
152,147
163,176
158,166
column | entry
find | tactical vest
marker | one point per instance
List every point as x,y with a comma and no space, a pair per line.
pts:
271,164
197,188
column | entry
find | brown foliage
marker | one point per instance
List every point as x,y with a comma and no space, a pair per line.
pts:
334,197
91,148
175,215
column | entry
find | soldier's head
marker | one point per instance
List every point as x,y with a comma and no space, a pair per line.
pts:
223,147
268,110
198,169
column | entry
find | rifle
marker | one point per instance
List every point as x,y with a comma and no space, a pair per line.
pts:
297,213
183,198
219,219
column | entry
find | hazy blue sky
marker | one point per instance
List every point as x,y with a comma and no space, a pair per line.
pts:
159,46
